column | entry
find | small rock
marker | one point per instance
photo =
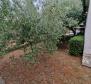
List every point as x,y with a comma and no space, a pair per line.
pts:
2,81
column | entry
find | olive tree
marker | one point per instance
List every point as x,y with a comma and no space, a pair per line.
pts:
44,29
52,23
26,26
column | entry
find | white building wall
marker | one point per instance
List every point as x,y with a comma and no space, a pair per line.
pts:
87,45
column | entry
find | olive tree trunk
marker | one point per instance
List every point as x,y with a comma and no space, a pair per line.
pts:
87,45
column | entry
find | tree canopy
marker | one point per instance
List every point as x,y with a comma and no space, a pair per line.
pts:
21,22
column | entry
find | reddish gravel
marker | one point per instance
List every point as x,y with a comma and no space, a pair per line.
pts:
59,68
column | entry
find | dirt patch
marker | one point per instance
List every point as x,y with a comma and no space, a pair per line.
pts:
59,68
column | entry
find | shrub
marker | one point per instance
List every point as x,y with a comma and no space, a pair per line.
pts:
76,45
63,41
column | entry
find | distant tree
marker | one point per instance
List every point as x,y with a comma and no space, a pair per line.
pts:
69,12
73,13
85,4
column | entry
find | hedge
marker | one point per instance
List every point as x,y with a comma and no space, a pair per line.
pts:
76,45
